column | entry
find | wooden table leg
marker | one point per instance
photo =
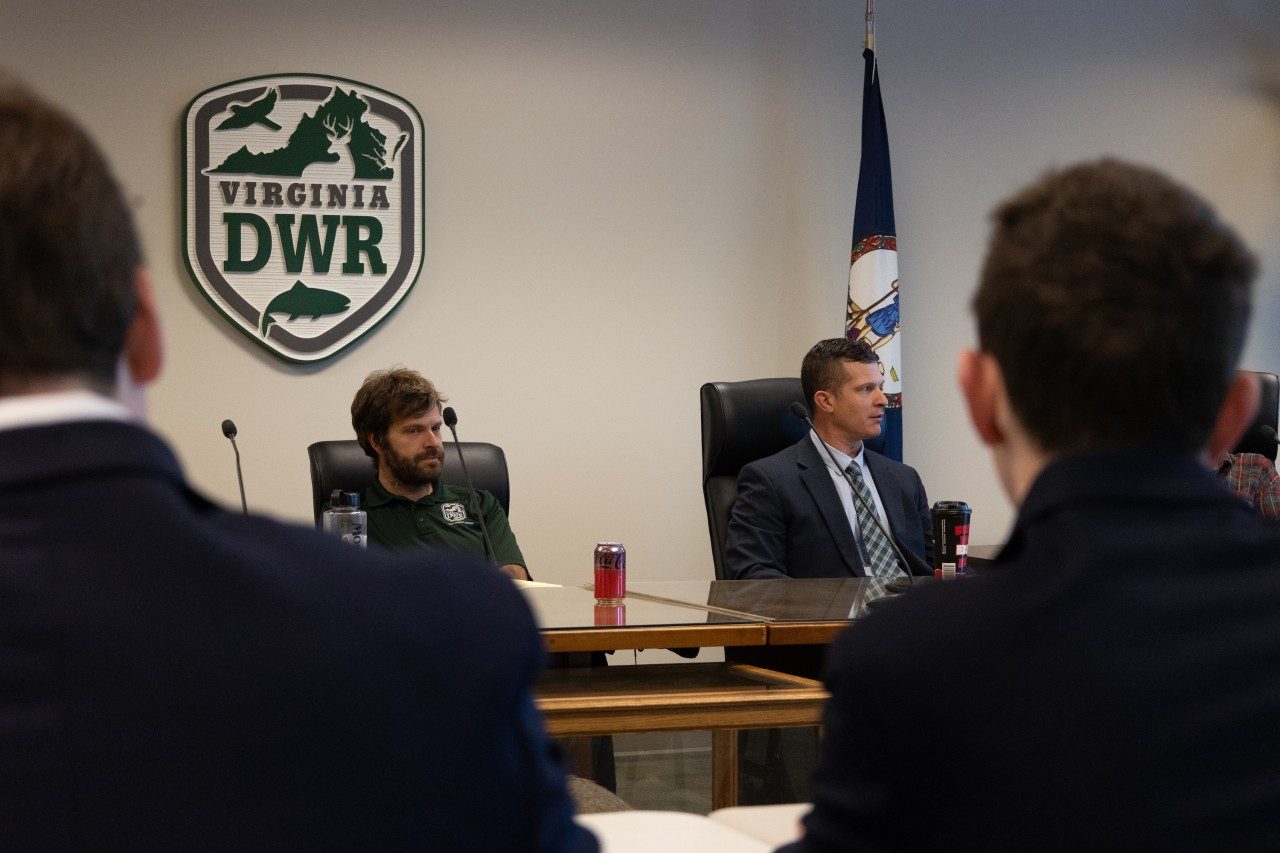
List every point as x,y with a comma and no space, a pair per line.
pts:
724,768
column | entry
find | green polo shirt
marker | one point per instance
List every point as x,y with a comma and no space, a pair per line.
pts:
443,518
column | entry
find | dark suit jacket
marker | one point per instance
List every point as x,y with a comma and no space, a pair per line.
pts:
1112,682
788,520
174,676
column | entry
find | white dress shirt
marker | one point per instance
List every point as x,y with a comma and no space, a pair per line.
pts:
56,407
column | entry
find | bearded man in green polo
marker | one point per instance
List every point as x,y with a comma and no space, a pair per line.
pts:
397,418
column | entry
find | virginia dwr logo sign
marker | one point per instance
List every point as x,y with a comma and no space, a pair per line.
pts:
303,220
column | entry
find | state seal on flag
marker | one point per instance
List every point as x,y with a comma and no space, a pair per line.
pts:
873,315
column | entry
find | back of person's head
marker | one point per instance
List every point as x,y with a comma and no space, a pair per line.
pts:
68,251
823,365
386,397
1115,302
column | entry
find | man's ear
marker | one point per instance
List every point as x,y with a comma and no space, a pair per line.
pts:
982,386
143,344
1235,415
822,402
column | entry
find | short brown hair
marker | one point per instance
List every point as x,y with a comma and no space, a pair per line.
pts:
68,251
823,365
386,397
1115,302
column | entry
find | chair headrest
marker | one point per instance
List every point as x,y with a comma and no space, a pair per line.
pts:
745,421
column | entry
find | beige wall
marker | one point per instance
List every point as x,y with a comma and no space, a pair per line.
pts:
625,200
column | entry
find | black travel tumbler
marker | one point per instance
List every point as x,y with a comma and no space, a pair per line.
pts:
950,539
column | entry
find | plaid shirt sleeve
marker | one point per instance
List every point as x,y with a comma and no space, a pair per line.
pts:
1254,478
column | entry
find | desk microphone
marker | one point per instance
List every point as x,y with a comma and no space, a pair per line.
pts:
229,430
897,584
451,421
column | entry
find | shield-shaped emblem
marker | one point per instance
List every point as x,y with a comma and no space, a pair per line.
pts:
303,208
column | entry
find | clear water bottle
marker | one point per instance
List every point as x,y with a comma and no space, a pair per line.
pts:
346,519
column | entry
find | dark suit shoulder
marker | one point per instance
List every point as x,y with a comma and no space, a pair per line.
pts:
783,462
195,662
957,613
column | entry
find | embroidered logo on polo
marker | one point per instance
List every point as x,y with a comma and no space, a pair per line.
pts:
303,220
453,512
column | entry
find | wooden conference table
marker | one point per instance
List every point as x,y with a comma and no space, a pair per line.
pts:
774,634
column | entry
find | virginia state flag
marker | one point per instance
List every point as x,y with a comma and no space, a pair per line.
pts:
873,267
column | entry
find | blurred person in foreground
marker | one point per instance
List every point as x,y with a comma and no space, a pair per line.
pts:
176,676
1111,682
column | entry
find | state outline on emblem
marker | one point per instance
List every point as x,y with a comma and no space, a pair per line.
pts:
258,114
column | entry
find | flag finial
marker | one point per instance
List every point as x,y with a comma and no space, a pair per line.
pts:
870,42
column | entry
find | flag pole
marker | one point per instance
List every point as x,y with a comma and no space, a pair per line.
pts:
870,42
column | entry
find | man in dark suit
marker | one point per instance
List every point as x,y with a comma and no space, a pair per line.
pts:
1111,682
804,512
174,676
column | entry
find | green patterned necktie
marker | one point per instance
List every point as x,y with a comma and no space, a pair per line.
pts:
879,552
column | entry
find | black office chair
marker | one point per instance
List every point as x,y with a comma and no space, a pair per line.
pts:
343,465
743,422
1254,441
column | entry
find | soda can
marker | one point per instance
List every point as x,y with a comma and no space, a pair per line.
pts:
610,573
950,539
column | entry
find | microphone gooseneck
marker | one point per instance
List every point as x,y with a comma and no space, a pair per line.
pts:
229,430
802,413
451,421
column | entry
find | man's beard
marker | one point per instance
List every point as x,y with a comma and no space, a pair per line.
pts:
411,472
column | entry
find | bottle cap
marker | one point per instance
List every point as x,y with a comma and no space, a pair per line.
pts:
351,499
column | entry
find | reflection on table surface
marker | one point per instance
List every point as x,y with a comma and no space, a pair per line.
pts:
571,607
782,600
794,600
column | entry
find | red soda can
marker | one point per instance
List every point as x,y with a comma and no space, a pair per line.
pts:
950,539
610,573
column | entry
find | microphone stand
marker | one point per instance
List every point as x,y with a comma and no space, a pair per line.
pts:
451,421
896,584
229,430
